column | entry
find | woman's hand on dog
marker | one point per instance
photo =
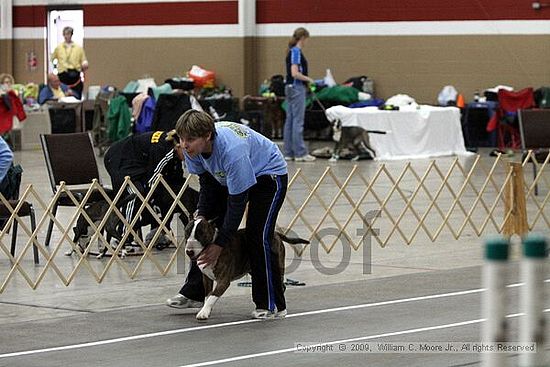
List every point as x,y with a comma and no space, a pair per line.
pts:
209,256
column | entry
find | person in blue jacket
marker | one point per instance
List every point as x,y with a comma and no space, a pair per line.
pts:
54,90
236,166
6,158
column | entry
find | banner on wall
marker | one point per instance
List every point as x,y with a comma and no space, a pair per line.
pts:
32,61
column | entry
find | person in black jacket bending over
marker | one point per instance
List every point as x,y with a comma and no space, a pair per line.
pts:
143,158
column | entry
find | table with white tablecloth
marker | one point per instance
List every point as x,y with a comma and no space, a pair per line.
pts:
412,132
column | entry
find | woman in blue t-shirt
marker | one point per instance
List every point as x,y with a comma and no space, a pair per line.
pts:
236,166
295,92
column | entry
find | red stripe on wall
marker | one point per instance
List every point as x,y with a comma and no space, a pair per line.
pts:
318,11
29,16
217,12
290,11
197,12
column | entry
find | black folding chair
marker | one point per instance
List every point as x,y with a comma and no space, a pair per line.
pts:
71,158
534,129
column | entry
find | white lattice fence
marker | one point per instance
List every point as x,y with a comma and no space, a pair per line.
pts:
393,202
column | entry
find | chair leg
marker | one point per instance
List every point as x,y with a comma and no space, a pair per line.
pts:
33,228
534,177
50,227
13,237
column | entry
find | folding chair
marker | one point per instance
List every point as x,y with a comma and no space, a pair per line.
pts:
505,118
99,124
534,128
26,210
65,117
9,187
70,158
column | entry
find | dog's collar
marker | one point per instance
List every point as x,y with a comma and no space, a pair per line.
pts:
213,238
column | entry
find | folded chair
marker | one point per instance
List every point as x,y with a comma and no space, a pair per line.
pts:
71,158
505,120
99,124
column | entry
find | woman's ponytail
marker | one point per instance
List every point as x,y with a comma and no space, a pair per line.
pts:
299,33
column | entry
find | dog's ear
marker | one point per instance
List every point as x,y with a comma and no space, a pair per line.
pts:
76,231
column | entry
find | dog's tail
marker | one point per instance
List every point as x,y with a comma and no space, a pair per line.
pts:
292,240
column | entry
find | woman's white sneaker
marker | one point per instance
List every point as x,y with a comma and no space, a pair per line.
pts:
180,301
305,158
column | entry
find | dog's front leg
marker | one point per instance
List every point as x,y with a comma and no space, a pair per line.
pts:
335,153
211,300
205,311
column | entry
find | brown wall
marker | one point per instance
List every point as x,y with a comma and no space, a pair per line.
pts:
117,61
250,65
21,72
421,65
416,65
6,56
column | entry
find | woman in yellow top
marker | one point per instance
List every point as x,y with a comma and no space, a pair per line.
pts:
71,60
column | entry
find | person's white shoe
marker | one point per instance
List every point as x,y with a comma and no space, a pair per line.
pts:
267,315
289,158
180,301
280,314
305,158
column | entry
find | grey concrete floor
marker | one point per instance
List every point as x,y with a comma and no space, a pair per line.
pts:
395,309
422,292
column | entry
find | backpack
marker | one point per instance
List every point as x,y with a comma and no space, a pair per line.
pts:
9,187
277,85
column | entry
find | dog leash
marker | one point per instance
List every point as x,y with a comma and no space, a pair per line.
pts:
293,282
288,282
